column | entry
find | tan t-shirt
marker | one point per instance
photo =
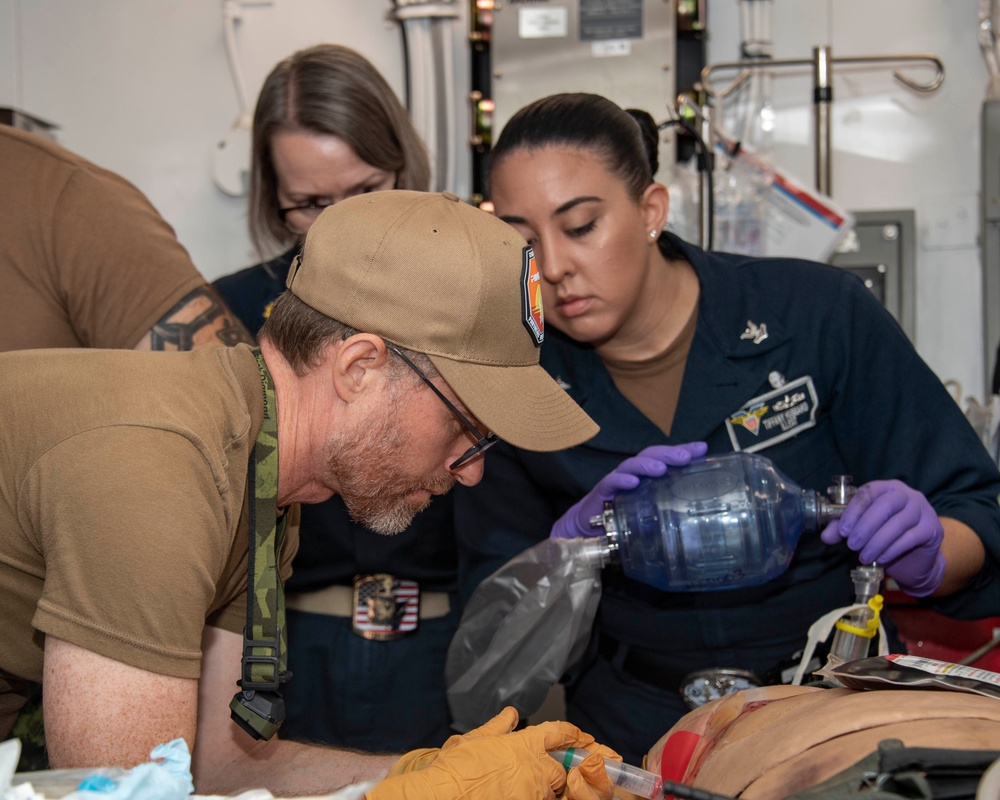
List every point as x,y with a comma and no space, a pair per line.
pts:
122,505
85,259
653,385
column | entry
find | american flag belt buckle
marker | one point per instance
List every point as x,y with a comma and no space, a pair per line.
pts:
385,607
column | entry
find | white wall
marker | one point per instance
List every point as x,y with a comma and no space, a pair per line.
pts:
143,87
893,148
9,60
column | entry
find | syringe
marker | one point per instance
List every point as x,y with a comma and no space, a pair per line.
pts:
636,780
632,779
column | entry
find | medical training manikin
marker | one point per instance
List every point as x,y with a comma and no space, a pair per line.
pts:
773,742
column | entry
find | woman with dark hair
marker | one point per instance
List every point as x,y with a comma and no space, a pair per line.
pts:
328,126
676,352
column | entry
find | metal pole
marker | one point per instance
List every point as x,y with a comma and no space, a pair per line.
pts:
705,175
822,97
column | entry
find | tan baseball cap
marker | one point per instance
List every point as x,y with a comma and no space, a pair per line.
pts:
432,274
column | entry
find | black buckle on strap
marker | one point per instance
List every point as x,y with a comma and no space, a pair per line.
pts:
247,683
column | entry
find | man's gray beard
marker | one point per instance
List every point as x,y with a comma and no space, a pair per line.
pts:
362,463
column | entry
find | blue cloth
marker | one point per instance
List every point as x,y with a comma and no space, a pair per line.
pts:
166,776
880,412
346,690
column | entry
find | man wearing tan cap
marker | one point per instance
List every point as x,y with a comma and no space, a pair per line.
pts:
140,495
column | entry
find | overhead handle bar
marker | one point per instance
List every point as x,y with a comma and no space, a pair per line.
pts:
822,66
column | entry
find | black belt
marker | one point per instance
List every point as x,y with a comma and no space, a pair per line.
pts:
650,669
640,666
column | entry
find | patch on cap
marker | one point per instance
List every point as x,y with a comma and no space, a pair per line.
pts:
531,296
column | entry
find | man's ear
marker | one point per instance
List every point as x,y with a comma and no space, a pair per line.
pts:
356,364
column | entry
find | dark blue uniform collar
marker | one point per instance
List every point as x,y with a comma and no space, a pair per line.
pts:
729,306
727,361
722,357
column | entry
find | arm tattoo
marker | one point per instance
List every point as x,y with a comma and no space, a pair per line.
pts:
200,312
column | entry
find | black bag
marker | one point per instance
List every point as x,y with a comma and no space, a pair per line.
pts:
896,772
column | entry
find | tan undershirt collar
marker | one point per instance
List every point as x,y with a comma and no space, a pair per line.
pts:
653,385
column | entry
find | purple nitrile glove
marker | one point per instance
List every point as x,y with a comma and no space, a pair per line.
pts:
890,523
651,462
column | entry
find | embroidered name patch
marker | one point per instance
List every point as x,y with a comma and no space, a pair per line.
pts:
770,418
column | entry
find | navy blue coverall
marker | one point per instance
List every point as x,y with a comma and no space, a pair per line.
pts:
857,399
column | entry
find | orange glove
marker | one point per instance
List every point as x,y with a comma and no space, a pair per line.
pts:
589,781
414,760
507,720
496,766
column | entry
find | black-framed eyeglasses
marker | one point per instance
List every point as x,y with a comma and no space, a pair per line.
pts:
483,443
309,210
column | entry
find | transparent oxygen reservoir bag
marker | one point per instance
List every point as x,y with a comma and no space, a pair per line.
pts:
721,522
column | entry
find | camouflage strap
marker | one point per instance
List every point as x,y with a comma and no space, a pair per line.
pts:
29,727
264,645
